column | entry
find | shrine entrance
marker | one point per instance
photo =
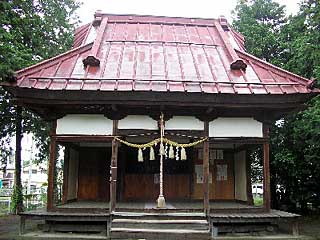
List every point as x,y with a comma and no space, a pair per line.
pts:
141,179
93,174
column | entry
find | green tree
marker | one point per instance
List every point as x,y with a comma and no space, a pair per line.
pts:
260,22
30,31
293,44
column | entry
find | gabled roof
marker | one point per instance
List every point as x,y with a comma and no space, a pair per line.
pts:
147,53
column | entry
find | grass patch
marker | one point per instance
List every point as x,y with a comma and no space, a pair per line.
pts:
258,201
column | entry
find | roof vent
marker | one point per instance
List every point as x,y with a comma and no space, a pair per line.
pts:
224,23
91,61
238,64
97,18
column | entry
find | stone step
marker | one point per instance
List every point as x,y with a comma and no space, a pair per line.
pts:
154,234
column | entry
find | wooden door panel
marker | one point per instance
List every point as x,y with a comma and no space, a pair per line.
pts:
223,189
93,183
142,187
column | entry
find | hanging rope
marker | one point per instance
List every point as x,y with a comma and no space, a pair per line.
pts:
165,140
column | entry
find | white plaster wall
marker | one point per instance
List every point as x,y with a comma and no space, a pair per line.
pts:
73,174
138,122
184,123
240,176
235,127
84,124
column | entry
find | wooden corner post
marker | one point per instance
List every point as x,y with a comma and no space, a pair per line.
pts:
51,167
65,174
114,169
206,202
266,168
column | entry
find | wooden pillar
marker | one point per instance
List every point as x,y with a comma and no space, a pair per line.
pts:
114,169
65,174
249,183
266,169
17,171
51,168
206,199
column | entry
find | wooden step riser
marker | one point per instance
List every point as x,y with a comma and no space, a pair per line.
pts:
160,226
157,236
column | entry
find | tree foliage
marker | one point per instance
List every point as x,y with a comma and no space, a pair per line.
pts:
30,31
294,44
260,22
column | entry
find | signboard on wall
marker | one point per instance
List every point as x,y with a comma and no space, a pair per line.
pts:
199,174
222,172
156,178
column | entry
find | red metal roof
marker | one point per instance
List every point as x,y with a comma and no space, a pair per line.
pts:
146,53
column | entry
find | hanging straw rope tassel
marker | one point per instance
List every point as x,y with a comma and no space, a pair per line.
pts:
171,152
183,154
140,155
152,157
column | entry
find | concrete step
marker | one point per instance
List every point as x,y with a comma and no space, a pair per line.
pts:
169,215
161,221
73,227
39,235
154,234
161,224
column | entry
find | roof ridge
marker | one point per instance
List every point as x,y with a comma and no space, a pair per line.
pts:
306,80
155,16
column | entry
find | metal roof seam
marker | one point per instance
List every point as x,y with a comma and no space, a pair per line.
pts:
180,64
135,61
275,80
227,69
195,64
87,34
120,61
246,80
82,84
49,84
165,61
293,86
58,57
264,63
253,68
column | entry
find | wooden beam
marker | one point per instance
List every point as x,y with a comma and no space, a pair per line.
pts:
82,138
206,203
266,170
51,169
65,174
114,169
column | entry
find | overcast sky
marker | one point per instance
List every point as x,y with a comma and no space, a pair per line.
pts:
174,8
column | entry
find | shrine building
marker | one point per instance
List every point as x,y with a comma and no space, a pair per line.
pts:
157,117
